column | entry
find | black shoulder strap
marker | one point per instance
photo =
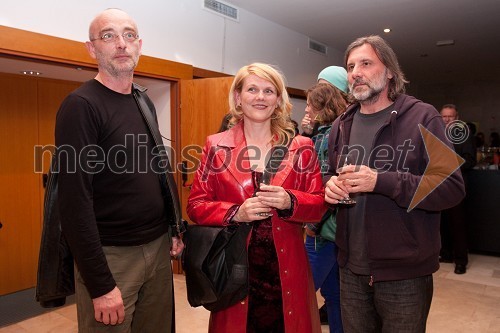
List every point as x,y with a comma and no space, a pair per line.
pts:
166,176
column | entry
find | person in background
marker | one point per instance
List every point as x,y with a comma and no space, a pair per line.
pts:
387,251
480,146
227,190
331,75
326,100
121,227
494,139
224,124
472,129
480,141
295,127
453,220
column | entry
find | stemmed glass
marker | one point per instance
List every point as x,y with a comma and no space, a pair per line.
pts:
344,160
267,177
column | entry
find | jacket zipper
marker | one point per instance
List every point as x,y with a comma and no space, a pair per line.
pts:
371,281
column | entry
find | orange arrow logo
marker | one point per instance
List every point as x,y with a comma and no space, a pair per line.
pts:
443,161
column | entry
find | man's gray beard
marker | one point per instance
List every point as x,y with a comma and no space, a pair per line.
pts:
369,96
372,94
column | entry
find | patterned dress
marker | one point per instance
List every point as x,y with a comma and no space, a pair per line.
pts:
265,304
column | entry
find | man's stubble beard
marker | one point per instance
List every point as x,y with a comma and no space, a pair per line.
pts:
117,71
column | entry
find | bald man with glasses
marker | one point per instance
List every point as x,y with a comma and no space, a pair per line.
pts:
119,211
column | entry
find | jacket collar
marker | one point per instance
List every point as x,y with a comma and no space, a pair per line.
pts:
401,105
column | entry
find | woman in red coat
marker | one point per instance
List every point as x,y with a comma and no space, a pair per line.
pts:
227,190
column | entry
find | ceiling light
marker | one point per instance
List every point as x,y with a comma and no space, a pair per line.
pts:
31,72
445,42
387,30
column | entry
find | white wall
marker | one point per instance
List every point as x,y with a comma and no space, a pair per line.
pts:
159,92
181,30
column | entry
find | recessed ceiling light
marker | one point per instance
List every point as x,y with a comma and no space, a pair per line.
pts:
31,72
387,30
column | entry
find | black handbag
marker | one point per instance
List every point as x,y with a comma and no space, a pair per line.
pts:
215,259
216,265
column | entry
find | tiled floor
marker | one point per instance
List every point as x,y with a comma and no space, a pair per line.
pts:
462,303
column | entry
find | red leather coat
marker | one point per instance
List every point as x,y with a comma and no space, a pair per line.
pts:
224,180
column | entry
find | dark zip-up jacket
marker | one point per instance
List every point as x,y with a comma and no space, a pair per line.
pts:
401,243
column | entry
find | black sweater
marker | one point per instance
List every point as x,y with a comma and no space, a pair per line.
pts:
109,195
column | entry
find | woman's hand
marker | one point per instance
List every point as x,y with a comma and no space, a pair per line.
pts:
252,209
307,125
274,196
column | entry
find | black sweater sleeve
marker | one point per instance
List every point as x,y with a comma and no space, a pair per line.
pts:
77,130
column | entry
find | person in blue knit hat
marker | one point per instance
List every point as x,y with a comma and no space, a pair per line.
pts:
335,76
326,100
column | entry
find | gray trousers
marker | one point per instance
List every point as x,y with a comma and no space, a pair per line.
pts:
400,306
144,276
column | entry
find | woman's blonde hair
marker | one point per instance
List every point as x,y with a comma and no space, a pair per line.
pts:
281,124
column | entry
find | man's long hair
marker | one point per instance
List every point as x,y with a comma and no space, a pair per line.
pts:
386,54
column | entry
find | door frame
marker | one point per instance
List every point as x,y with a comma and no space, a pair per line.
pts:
31,46
25,45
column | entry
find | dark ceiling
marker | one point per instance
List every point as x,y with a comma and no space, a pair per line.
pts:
416,27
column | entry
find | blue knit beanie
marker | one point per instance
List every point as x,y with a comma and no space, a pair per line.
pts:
336,75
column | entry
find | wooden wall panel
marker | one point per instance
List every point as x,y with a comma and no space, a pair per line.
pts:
50,94
19,192
28,107
204,102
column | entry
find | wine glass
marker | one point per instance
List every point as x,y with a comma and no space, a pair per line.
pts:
265,179
342,161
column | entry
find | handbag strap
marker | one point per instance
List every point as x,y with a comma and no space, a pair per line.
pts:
166,176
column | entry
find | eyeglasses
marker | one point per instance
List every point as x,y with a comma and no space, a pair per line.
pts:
111,37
